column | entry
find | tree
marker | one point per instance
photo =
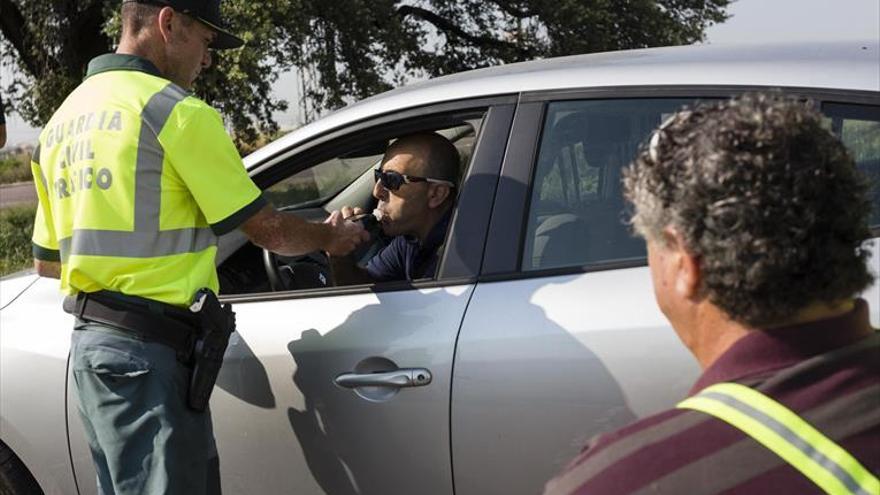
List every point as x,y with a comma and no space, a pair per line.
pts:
51,42
351,49
344,49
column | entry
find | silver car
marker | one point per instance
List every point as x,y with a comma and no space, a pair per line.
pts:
539,330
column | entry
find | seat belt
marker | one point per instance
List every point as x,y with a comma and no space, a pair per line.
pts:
782,431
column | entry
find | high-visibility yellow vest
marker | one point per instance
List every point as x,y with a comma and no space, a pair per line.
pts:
135,180
782,431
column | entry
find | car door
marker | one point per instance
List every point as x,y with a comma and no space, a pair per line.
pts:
562,339
286,419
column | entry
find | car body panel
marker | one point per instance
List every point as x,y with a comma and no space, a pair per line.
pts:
543,364
33,371
15,285
276,398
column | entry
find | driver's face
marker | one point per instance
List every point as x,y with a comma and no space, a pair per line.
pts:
405,209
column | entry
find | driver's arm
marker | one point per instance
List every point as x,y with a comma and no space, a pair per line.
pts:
289,235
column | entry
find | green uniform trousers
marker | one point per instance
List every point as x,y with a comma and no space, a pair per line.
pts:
132,401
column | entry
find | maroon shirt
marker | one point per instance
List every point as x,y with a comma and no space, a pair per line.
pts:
828,372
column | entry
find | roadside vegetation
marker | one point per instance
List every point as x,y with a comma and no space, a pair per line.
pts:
15,168
16,226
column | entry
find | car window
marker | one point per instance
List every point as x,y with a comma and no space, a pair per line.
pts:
858,126
575,214
320,182
462,138
324,180
346,179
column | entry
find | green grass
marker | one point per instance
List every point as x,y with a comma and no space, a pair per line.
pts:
16,227
15,168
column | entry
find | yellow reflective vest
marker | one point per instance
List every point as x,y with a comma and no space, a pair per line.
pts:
135,179
785,433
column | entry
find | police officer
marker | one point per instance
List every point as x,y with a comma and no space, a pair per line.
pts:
754,214
136,178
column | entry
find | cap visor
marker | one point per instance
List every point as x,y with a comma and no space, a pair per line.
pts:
224,40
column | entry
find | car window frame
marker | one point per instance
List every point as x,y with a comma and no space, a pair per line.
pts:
455,267
502,257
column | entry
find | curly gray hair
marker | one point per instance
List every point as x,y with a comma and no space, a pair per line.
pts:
769,201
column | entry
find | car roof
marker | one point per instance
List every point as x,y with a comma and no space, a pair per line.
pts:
842,65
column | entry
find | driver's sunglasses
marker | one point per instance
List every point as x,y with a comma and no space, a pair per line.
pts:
392,180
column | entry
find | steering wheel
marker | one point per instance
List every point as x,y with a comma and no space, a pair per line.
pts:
309,271
270,264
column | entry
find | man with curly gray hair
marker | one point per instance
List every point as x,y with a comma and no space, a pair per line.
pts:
754,215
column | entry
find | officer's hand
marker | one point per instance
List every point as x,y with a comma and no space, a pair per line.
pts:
346,236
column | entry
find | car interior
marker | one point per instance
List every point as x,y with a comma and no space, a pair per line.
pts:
858,127
314,190
578,176
577,199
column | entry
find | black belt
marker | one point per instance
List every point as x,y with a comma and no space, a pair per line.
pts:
144,318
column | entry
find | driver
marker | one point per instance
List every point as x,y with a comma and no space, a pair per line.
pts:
415,188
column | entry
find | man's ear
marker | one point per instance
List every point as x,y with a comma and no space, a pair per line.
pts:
437,194
685,265
165,20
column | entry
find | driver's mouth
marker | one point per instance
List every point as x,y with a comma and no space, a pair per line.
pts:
380,214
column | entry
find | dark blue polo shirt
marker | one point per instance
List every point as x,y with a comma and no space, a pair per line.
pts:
405,258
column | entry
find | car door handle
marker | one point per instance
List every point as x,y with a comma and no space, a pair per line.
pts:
405,377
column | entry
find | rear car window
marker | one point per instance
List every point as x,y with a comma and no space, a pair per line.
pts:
858,126
577,212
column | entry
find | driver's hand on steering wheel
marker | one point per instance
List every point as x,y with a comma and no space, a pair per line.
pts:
346,236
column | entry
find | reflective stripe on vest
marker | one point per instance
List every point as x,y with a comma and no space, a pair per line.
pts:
783,432
146,241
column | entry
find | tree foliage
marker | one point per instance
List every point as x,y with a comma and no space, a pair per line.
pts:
50,43
344,50
350,49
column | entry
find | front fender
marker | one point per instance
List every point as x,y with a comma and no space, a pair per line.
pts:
34,347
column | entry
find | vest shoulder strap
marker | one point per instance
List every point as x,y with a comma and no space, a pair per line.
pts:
786,434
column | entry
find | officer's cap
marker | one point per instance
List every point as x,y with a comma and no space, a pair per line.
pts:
206,11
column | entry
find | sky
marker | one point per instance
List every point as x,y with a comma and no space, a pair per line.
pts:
752,21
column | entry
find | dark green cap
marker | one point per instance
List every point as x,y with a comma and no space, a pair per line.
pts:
206,11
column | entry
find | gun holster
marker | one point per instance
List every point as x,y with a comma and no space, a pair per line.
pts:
217,324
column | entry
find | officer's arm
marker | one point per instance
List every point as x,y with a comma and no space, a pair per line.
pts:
51,269
289,235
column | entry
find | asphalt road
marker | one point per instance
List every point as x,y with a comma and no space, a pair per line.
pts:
21,193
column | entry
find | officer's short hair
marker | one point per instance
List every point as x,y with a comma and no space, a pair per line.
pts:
138,15
766,198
